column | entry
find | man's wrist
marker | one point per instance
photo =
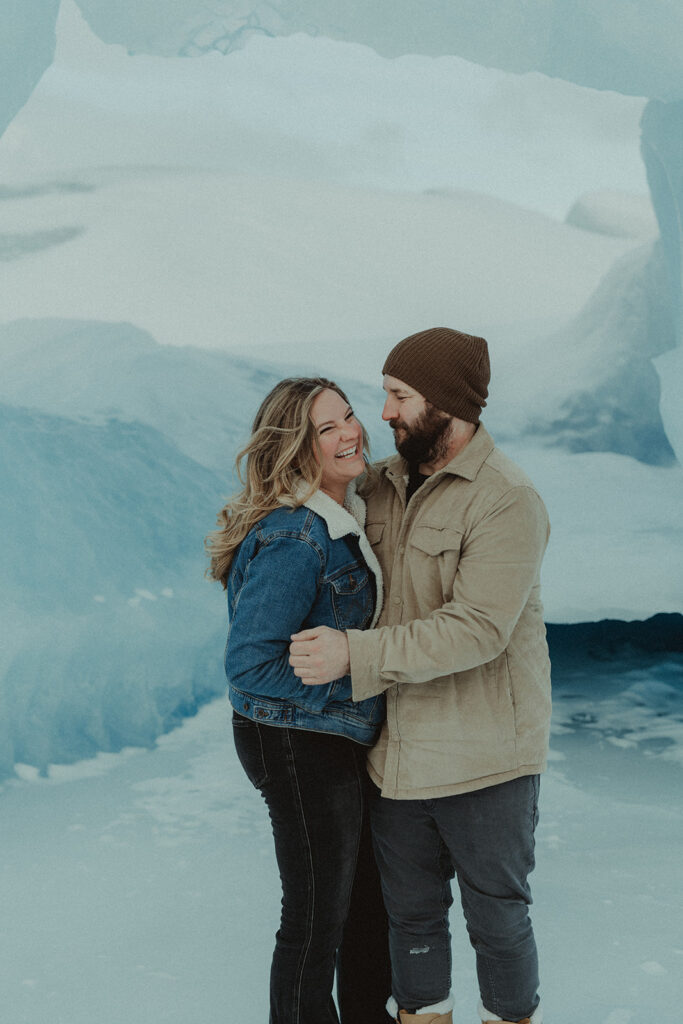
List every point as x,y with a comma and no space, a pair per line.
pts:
364,660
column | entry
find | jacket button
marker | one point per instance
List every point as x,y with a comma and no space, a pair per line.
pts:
246,707
260,713
396,600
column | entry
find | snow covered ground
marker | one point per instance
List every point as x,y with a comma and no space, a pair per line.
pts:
141,888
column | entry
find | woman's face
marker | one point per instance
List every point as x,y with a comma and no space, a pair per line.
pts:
340,437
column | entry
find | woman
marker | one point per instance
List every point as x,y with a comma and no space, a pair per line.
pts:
291,553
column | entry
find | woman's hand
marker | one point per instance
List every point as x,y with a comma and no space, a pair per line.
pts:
319,656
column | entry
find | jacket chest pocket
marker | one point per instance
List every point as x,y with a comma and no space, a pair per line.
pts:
435,551
352,601
374,531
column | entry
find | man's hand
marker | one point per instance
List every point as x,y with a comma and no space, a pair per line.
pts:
319,655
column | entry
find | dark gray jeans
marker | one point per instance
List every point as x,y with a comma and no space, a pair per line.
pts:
486,839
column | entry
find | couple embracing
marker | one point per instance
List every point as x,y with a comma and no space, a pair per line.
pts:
390,685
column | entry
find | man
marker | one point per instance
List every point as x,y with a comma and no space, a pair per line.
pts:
460,652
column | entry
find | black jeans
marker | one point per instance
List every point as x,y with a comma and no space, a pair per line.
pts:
315,786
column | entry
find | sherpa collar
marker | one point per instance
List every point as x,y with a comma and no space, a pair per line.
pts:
343,520
340,519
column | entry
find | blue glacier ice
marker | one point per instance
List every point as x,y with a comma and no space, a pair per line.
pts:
116,455
108,624
27,46
599,45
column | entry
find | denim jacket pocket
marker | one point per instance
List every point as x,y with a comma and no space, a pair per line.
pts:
352,598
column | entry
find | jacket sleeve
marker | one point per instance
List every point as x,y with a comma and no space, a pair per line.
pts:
499,566
278,591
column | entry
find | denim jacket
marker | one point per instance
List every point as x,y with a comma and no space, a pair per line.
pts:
298,568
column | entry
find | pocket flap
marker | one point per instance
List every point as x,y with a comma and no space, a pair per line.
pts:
350,582
434,541
374,531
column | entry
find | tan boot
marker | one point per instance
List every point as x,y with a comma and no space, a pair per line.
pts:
490,1018
498,1020
425,1018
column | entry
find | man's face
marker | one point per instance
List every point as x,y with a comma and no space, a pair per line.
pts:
420,429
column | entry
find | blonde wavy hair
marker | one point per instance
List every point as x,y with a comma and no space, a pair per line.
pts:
283,451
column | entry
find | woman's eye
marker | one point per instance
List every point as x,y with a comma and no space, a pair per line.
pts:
350,414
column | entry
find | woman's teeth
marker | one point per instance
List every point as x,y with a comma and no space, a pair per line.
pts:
347,453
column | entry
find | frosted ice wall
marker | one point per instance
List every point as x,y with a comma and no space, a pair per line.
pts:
27,46
662,146
632,48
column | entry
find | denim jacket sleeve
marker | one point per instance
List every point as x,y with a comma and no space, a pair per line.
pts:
277,592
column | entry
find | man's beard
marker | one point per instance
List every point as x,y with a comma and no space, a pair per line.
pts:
426,440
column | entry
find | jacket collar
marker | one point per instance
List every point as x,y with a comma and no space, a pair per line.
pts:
340,520
466,463
343,520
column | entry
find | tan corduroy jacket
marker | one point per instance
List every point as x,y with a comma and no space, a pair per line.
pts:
460,645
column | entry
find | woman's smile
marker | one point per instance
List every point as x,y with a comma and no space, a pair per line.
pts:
347,453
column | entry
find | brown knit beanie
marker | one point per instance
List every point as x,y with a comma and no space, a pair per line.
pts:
449,368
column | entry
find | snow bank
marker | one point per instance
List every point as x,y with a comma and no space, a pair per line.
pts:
312,108
206,259
619,214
